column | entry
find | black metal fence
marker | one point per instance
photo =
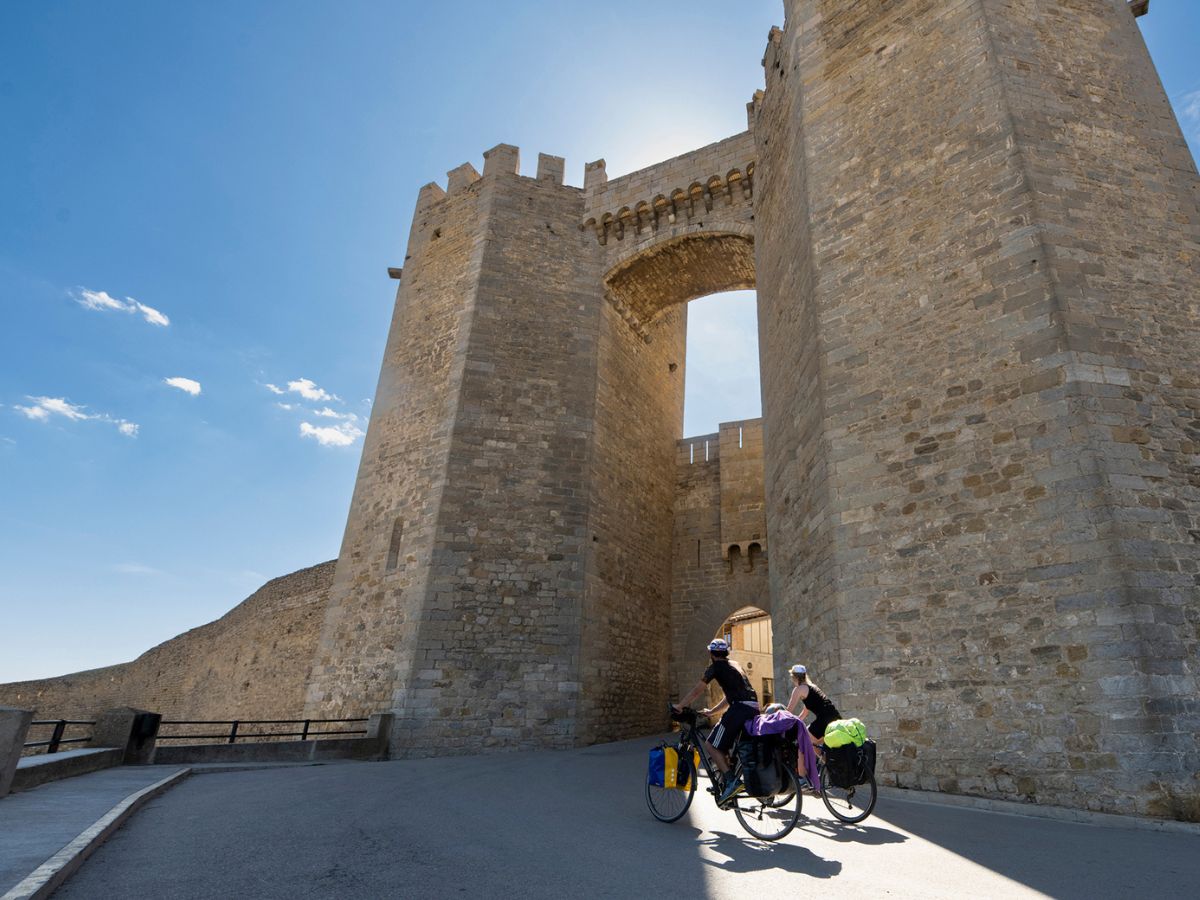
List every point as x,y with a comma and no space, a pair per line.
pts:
232,731
58,734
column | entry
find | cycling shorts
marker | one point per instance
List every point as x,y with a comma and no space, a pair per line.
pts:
730,727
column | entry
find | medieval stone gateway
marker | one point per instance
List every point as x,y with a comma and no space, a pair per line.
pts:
974,231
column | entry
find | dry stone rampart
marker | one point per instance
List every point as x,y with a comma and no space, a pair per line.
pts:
251,663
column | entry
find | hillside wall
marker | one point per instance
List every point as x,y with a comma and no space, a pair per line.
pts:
253,662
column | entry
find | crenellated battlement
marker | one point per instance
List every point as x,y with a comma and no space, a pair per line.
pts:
503,160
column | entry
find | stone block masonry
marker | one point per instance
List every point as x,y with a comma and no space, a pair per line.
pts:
974,228
987,280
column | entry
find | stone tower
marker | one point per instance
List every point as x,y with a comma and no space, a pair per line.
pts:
974,232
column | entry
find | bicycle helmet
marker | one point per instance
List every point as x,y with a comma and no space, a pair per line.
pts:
798,670
718,645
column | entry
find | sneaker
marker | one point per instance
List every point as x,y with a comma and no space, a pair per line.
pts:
732,787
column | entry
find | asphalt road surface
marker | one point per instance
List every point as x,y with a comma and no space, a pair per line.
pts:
575,824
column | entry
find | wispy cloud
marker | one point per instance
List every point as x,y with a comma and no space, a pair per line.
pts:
1189,109
343,429
103,302
309,391
135,569
342,435
187,385
45,408
328,413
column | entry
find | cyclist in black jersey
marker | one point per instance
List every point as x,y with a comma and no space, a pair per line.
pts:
740,704
807,697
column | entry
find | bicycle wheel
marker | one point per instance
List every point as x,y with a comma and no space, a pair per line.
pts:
768,818
669,804
849,804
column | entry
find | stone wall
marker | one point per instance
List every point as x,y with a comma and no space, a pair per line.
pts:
253,662
979,530
719,517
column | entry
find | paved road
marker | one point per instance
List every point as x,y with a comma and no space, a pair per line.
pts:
36,824
574,824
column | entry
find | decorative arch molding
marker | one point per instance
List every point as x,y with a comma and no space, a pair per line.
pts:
646,283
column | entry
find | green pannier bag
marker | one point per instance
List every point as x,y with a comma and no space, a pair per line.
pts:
843,732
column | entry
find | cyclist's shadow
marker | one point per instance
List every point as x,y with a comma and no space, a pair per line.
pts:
850,834
748,855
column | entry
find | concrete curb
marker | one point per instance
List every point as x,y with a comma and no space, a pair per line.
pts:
1029,810
50,875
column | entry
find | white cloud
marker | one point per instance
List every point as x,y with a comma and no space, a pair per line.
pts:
286,407
187,385
151,315
102,302
45,407
99,300
309,390
275,390
332,436
328,413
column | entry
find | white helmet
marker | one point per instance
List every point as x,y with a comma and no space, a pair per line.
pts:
798,670
718,645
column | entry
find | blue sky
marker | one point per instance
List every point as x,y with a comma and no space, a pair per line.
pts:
200,201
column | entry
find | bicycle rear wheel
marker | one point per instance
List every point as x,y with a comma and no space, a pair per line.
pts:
771,818
669,804
849,805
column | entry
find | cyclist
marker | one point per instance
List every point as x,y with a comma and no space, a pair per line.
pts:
807,697
742,703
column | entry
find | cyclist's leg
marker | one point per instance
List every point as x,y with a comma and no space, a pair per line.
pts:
715,745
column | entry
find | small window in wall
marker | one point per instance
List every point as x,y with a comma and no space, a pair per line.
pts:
768,691
393,559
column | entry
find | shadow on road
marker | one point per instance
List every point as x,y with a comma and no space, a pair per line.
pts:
743,855
847,834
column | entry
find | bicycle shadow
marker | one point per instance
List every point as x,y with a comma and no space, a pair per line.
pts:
845,833
744,856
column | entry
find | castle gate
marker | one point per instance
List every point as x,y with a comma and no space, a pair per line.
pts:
973,229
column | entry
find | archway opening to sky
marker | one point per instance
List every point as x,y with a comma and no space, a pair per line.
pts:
722,371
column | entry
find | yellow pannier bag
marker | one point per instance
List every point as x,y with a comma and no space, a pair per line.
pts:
672,773
843,732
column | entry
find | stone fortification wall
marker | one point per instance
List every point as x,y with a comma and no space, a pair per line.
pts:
719,561
251,663
980,533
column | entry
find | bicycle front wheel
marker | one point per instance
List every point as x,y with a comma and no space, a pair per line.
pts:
849,805
669,804
771,818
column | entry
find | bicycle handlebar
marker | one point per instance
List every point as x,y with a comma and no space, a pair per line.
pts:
687,715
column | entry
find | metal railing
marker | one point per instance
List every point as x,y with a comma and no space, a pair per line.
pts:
234,732
57,737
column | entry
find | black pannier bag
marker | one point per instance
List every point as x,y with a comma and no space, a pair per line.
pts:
868,760
762,765
849,766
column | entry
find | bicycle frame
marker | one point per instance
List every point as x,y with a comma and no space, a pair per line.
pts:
689,736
